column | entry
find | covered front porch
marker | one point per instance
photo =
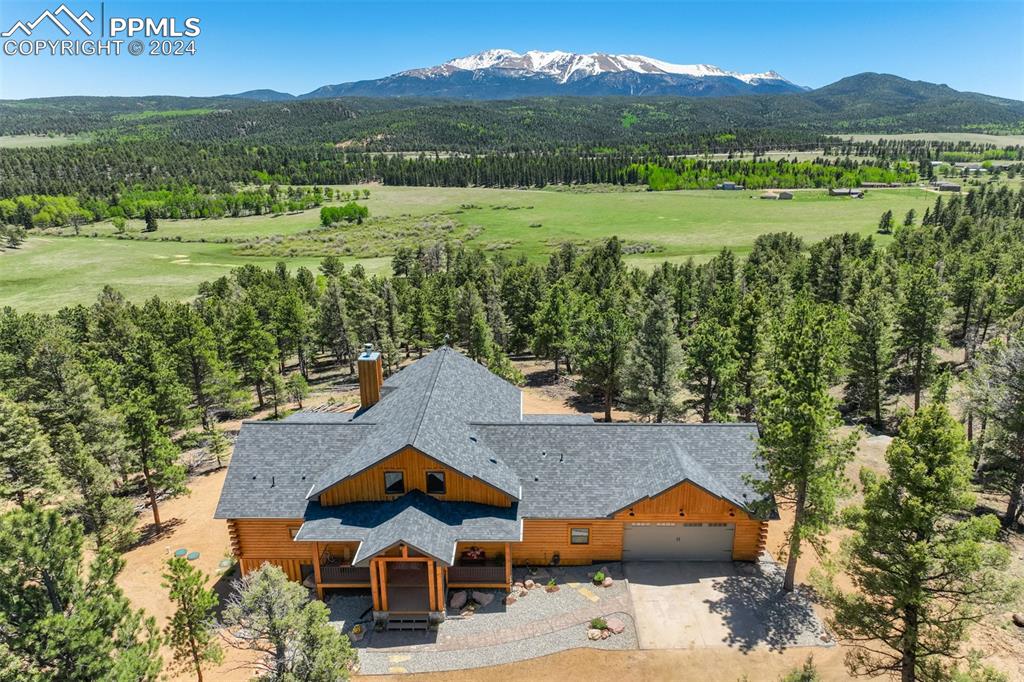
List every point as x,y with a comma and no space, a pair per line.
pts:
405,580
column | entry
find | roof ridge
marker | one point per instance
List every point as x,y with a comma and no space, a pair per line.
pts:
597,423
429,396
285,422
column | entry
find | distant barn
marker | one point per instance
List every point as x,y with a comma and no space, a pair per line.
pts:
846,192
947,187
777,195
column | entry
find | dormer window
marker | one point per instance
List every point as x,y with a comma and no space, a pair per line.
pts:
435,482
394,482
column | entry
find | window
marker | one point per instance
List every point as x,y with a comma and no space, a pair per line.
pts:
579,536
435,482
394,482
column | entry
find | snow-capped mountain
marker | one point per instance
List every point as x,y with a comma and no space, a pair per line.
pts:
506,74
566,66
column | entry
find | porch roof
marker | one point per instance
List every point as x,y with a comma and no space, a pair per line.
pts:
428,525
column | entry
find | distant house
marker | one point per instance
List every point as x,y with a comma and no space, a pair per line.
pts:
845,192
947,187
728,185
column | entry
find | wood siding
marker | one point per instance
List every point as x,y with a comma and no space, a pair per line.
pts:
255,541
368,486
542,538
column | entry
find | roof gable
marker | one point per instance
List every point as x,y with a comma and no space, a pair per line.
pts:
429,407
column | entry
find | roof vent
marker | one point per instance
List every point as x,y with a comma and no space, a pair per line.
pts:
273,480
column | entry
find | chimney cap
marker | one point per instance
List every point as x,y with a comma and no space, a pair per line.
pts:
368,352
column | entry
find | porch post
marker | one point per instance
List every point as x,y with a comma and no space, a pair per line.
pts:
508,565
316,570
383,584
431,583
441,591
375,585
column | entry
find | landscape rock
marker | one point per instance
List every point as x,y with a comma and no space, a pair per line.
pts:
605,634
607,582
529,584
458,599
593,634
483,598
510,600
523,593
1018,620
616,626
518,583
466,613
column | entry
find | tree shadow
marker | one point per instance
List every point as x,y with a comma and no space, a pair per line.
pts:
150,533
757,613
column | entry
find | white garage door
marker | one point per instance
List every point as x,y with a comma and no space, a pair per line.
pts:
678,541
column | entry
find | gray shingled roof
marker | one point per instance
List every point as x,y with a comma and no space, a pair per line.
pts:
595,470
428,408
274,464
416,519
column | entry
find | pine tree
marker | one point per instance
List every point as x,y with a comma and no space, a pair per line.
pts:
62,620
296,388
191,631
290,631
599,346
151,222
997,394
251,348
918,316
871,355
480,343
652,381
154,454
552,334
924,567
750,335
335,330
711,365
27,469
798,450
885,224
90,493
276,391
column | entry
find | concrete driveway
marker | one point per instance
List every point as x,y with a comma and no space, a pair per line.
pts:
684,605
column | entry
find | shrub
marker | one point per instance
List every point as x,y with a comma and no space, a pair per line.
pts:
599,577
598,624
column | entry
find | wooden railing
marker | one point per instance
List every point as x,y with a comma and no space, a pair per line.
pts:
344,575
469,575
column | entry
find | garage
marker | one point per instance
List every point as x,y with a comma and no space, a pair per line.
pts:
678,541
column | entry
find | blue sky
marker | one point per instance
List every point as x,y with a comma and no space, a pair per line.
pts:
297,46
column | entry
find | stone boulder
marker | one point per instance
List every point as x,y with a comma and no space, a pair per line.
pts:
605,634
529,584
518,583
616,626
593,634
1018,620
523,593
483,598
510,599
607,582
458,599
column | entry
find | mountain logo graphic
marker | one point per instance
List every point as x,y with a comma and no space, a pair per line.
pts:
76,20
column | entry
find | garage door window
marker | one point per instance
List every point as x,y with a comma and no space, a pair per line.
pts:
579,536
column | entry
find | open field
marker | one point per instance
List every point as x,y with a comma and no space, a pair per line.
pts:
976,138
12,141
50,271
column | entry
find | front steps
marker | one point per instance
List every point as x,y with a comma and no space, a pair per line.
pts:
410,621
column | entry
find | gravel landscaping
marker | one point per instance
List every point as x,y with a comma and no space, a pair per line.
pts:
536,624
376,661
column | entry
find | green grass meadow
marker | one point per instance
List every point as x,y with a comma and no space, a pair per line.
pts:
51,271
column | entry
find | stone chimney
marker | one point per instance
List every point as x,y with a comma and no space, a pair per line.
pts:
371,376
